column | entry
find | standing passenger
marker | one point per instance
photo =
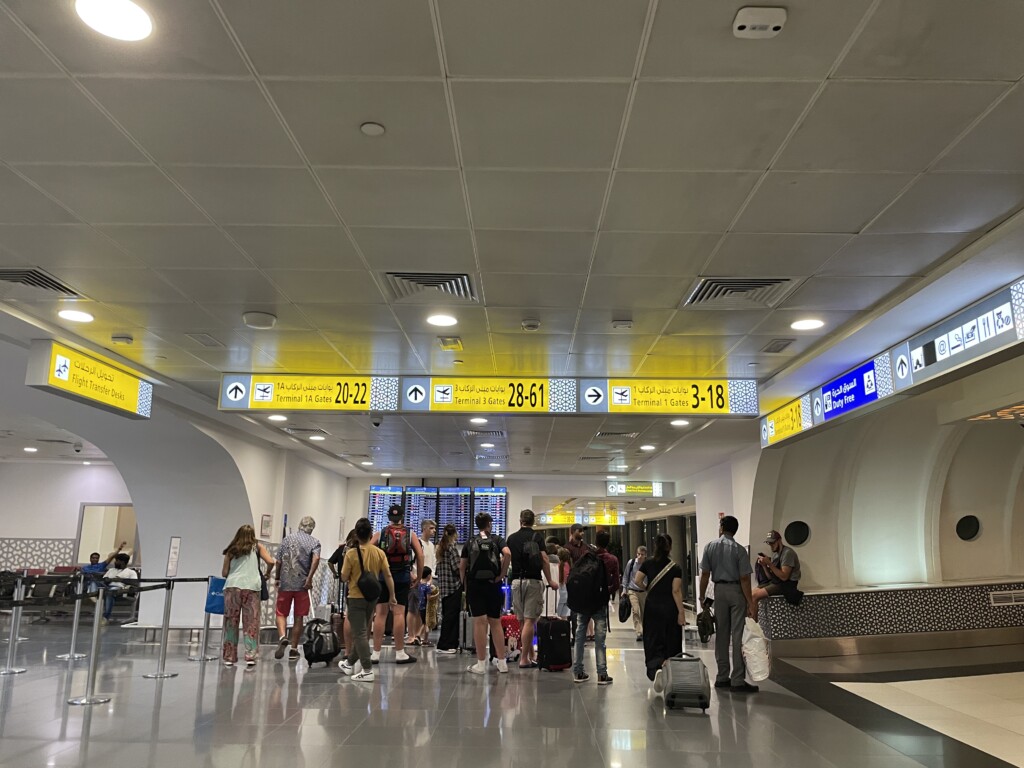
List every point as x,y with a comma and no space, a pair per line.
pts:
664,614
399,545
362,557
449,582
485,558
297,561
529,572
242,594
633,591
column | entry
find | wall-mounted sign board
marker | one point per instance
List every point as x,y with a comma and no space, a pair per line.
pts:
646,489
89,379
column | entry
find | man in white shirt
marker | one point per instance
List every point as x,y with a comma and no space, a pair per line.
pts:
119,577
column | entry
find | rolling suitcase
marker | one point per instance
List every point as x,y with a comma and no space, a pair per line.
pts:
466,641
320,645
684,682
554,647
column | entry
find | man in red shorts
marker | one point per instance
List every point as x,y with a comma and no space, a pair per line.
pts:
297,561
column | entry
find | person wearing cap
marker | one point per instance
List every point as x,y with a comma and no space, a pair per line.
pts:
783,570
405,561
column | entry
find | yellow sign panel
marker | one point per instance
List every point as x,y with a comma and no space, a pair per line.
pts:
696,397
603,518
560,518
491,395
785,422
290,392
67,371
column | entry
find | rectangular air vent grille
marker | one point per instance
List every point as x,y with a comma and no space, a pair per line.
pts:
1006,599
450,343
622,435
205,340
496,457
407,285
593,458
739,292
483,433
306,432
775,346
37,278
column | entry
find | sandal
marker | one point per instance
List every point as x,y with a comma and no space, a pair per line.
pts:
415,642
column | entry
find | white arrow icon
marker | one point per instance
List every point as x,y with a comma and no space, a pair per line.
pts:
594,395
902,366
817,406
236,392
415,393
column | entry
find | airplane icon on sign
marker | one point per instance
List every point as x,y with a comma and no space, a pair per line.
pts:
443,393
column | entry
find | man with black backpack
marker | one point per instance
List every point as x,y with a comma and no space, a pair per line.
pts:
529,572
485,560
399,545
593,581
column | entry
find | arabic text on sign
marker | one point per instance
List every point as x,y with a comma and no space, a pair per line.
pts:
490,395
319,393
666,395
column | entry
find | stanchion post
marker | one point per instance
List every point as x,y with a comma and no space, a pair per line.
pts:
205,643
72,655
12,648
161,672
94,656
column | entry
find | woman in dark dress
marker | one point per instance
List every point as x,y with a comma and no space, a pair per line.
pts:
664,615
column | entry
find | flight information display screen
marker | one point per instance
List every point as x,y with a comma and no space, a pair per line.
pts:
382,497
453,506
493,501
420,505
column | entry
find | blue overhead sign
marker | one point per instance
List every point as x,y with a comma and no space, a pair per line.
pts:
851,390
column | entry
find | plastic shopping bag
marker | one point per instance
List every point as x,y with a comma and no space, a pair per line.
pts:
755,651
215,596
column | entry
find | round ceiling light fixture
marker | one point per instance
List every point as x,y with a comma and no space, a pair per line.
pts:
119,19
486,445
317,438
662,504
643,509
442,320
259,321
499,477
385,474
648,448
371,128
277,417
75,316
613,477
86,463
495,465
679,423
478,420
807,324
366,463
30,449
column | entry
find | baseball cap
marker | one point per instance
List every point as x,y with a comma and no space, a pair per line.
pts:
577,527
772,537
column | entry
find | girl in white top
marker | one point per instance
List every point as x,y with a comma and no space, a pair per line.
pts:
242,594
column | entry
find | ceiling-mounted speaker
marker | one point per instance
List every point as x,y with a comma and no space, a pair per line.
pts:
758,23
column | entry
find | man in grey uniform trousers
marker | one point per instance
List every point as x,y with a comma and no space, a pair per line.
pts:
726,562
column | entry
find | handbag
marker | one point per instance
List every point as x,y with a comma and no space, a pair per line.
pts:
625,609
215,596
368,585
264,590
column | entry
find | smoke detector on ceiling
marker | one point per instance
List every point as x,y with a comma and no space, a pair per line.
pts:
530,325
758,23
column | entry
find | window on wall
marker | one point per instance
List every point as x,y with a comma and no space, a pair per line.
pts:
105,527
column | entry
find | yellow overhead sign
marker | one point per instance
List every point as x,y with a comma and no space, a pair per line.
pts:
490,395
66,371
292,392
784,422
697,397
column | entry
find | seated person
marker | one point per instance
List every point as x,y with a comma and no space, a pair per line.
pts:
782,570
118,574
95,570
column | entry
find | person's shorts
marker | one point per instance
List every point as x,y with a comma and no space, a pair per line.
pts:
299,598
527,598
780,587
484,598
401,593
413,605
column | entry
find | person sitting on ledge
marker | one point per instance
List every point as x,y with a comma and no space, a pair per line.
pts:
782,570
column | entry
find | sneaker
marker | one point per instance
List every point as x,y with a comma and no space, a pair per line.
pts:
659,681
722,683
229,663
745,688
580,677
375,657
502,665
639,638
346,669
480,668
281,645
606,680
447,651
365,676
401,657
250,663
293,654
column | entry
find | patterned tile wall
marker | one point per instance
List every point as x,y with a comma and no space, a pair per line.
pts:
36,553
890,612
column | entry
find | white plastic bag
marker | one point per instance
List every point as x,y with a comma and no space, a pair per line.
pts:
755,651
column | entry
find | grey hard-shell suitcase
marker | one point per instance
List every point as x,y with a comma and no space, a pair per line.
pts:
685,682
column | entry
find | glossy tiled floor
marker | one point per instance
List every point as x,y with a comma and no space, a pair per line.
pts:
427,714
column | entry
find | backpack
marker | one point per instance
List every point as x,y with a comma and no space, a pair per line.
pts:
531,562
319,642
587,585
394,540
484,559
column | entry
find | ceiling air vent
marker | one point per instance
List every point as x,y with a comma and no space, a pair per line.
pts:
205,340
306,432
593,458
482,433
481,457
450,343
37,278
775,346
739,292
618,435
1006,599
414,286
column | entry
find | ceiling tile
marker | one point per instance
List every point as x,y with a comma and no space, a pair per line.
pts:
711,126
379,353
644,320
197,121
325,118
536,199
550,344
237,357
509,320
759,255
712,322
893,254
530,364
536,125
167,247
612,345
329,362
676,202
850,293
330,38
289,317
937,40
413,317
19,55
819,202
297,247
410,250
779,321
350,319
21,204
753,346
677,366
256,195
222,285
994,144
199,372
954,202
322,286
188,39
277,343
159,355
397,198
621,292
122,194
758,367
884,126
475,343
68,245
529,290
696,40
531,251
119,285
534,38
696,346
638,253
165,318
49,120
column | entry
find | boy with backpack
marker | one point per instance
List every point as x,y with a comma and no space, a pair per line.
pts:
485,560
399,545
593,581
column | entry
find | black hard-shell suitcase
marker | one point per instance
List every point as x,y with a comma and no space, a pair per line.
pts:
684,682
554,642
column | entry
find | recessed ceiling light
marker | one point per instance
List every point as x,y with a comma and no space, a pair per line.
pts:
372,129
86,463
613,477
486,445
385,474
119,19
366,463
317,437
499,476
277,417
680,423
259,321
809,324
622,467
648,448
457,362
442,320
75,316
753,365
30,449
478,420
493,464
643,509
591,503
662,504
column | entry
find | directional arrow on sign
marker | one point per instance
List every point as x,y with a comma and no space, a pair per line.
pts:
415,393
594,395
902,366
236,392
